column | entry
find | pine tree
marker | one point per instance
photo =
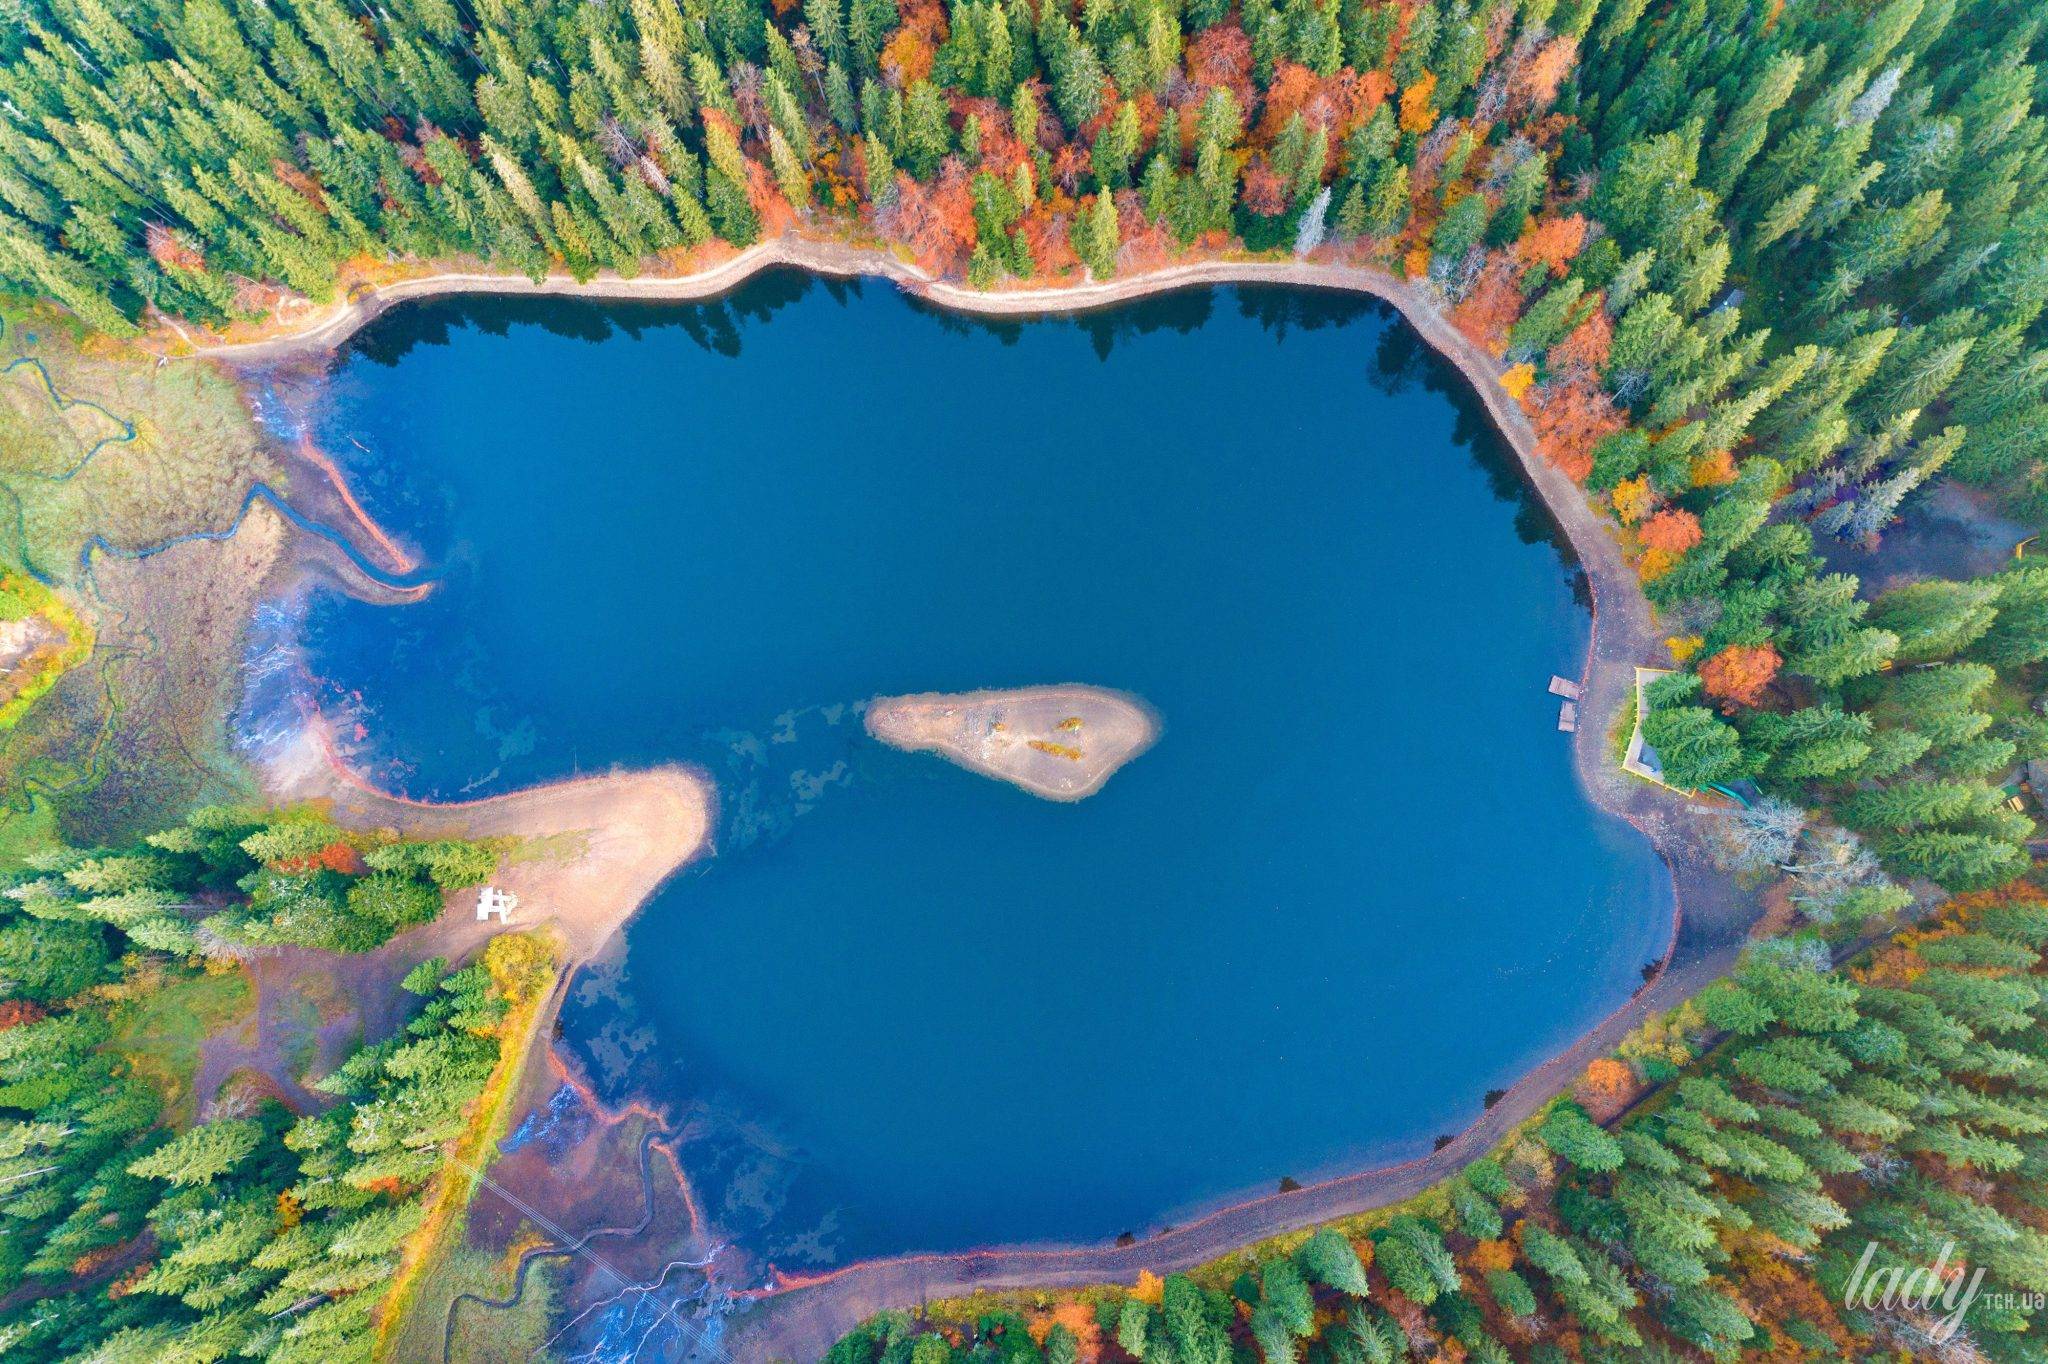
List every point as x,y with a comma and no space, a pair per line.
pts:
1096,238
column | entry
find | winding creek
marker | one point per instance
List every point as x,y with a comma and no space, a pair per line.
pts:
1353,888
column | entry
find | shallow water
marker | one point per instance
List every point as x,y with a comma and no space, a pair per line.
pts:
1351,889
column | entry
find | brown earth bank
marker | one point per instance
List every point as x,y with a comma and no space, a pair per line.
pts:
1060,743
585,855
797,1319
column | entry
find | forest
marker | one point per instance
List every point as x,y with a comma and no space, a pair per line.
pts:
256,1232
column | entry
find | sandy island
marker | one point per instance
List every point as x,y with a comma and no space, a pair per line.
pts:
1061,742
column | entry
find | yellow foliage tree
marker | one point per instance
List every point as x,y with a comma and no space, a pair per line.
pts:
1416,114
519,964
1489,1256
1657,562
1713,469
1633,499
1150,1288
1517,380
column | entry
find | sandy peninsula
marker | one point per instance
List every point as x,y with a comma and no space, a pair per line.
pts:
591,850
1060,742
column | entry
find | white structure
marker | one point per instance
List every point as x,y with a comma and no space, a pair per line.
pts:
492,901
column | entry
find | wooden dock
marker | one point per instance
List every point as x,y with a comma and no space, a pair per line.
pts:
1565,687
1568,717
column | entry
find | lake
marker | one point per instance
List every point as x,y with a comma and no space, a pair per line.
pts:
1352,888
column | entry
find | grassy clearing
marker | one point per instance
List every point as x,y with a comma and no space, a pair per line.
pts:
28,831
485,1337
1622,730
20,598
434,1269
161,1031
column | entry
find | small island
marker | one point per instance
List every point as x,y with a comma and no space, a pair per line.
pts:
1061,742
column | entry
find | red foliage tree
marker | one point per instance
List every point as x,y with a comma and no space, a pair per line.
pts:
1536,83
1222,55
1147,244
169,250
1045,234
336,856
1673,530
308,188
1264,194
1553,242
1570,417
1585,347
1001,152
1491,306
766,196
1738,674
936,221
1294,88
908,57
1069,164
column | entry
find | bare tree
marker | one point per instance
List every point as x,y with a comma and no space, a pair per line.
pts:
1314,222
1761,836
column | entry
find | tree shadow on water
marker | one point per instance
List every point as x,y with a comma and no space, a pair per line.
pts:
1181,310
715,325
1280,309
1403,361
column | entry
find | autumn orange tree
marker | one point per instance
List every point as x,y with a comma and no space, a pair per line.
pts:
1738,674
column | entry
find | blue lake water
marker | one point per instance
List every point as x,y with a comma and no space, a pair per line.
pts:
1352,888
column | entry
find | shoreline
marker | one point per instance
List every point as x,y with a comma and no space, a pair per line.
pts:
798,1317
333,326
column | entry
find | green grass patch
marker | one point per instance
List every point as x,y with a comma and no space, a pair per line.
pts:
28,831
161,1031
21,597
1622,730
483,1335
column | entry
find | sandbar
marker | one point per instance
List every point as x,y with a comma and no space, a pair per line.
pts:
1059,742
